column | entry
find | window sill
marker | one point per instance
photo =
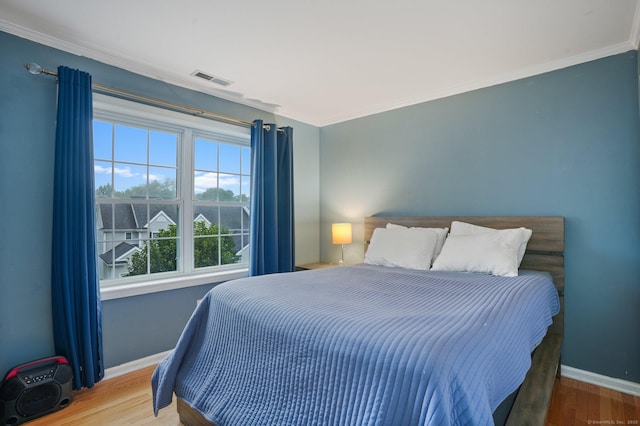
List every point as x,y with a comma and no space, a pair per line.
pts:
147,287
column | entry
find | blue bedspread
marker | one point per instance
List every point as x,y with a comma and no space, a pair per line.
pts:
358,345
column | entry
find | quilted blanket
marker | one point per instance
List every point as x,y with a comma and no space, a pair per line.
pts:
358,345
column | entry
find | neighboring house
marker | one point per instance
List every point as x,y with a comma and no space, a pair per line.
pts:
118,256
122,234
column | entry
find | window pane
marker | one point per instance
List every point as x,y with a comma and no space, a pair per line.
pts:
130,181
205,155
229,187
161,221
163,148
229,158
231,219
245,188
205,231
203,217
102,140
162,183
205,251
117,240
158,250
104,224
205,186
230,250
164,254
131,259
102,176
242,243
231,223
131,144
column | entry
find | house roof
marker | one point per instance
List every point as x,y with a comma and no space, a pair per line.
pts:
121,252
135,216
124,217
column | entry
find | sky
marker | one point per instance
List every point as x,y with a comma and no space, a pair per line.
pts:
121,154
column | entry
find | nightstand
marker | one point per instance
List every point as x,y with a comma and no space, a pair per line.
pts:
314,266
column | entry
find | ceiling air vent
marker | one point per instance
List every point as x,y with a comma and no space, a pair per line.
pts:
211,78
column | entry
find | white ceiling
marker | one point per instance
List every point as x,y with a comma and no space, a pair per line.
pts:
326,61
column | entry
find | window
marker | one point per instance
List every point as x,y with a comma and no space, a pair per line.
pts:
172,195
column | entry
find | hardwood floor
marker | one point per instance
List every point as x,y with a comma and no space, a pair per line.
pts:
579,403
126,400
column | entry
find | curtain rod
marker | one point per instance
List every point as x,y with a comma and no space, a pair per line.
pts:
107,90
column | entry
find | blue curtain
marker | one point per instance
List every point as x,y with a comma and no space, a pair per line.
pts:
272,224
77,324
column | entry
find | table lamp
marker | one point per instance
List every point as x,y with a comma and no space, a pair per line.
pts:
341,234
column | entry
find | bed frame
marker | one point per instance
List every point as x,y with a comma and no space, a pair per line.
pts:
545,252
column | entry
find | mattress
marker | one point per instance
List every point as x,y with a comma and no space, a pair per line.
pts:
358,345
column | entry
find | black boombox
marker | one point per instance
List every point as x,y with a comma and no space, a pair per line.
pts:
33,389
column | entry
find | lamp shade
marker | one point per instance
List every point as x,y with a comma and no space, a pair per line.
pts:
341,233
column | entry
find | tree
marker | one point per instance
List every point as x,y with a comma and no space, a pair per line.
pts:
104,191
163,250
221,195
206,242
163,190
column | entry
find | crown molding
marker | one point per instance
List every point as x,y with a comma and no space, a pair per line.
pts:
129,64
480,84
132,65
635,28
29,34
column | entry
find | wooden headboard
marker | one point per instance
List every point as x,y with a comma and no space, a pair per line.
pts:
545,251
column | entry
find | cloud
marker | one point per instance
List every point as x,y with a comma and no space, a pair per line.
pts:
229,180
123,172
101,170
204,181
153,177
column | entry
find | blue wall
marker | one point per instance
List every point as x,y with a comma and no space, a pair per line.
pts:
133,327
562,143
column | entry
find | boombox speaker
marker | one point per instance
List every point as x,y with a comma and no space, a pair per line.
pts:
33,389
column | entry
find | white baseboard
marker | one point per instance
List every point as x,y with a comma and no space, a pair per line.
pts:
134,365
619,385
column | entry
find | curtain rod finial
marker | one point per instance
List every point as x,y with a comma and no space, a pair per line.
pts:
33,68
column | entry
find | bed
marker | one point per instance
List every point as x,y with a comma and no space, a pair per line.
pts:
312,358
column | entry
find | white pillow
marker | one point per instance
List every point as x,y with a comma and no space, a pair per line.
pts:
523,234
405,248
486,252
440,232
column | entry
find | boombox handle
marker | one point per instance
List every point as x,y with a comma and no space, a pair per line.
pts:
54,359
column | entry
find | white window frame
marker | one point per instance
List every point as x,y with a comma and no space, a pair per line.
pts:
114,109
